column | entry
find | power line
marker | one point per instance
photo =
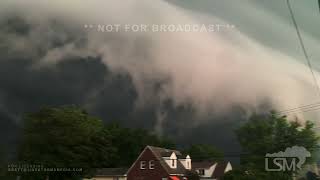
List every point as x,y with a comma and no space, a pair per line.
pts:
299,108
303,110
308,110
302,45
316,109
308,107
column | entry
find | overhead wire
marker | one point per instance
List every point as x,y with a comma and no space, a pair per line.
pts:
309,107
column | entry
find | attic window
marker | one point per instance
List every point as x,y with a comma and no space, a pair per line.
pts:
151,164
142,164
201,172
173,163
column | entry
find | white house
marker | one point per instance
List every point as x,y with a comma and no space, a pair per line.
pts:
211,170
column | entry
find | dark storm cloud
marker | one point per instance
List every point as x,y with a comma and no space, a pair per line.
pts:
86,82
191,87
26,88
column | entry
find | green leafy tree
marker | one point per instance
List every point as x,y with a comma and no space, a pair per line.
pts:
135,140
4,173
3,167
270,134
65,137
245,173
199,152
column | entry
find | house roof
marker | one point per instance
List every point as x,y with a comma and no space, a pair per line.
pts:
161,152
220,169
111,172
203,164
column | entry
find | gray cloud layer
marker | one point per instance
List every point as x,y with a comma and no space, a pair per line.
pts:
175,83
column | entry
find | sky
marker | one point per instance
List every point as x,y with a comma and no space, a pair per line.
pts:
269,23
195,87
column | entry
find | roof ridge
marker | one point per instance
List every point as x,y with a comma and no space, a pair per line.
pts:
159,158
155,154
163,163
163,148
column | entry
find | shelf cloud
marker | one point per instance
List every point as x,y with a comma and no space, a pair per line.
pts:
174,78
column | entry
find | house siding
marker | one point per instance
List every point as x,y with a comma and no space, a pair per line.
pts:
135,173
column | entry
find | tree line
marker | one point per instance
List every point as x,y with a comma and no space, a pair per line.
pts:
69,137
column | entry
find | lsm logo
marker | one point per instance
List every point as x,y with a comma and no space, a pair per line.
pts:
289,160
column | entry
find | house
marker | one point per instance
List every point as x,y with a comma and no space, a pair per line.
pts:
205,168
211,170
156,163
221,169
110,174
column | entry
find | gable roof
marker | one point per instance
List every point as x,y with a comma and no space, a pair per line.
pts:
111,172
203,164
220,169
161,152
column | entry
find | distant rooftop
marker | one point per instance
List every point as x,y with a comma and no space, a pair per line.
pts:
202,164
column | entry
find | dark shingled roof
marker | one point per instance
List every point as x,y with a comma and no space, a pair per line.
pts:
202,164
161,152
111,172
219,170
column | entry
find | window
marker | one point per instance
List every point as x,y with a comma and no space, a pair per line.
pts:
172,163
151,164
142,165
201,172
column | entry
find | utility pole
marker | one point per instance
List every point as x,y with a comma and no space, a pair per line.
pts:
315,166
294,177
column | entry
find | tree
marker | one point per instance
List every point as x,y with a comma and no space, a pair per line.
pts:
135,140
271,134
65,137
245,173
3,167
200,152
4,173
312,176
